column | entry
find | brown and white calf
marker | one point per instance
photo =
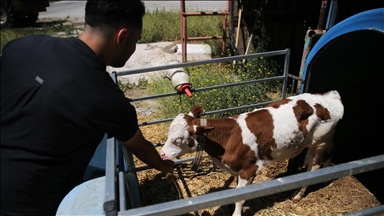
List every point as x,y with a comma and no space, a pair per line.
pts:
244,144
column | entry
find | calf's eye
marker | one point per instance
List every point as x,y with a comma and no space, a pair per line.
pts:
178,141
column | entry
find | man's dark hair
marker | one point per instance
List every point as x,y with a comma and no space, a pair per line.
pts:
107,14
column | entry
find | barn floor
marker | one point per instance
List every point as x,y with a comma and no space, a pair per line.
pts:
338,197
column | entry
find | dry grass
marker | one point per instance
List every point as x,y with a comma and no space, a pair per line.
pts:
338,197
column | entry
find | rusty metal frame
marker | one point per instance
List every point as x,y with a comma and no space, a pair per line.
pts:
183,27
310,34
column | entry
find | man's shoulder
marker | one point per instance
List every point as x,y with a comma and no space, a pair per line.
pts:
30,41
35,38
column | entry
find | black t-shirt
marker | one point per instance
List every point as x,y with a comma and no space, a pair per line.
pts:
57,102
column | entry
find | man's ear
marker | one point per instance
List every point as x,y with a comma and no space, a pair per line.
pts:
121,37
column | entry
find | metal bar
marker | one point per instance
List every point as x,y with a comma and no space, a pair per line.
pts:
122,195
229,196
205,13
202,62
323,14
110,203
229,6
293,84
286,66
331,14
209,88
209,113
128,158
224,27
240,83
155,96
179,161
204,38
310,34
367,212
132,183
307,47
114,77
120,157
295,77
183,27
133,187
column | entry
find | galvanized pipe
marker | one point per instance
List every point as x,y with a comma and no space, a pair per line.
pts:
209,61
210,112
207,13
369,212
332,14
323,14
286,67
320,30
122,197
310,34
204,38
110,203
278,185
183,28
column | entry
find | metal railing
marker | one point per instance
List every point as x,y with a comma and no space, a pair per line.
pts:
183,26
284,77
122,182
278,185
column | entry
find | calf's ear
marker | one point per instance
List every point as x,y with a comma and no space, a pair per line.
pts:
200,130
196,111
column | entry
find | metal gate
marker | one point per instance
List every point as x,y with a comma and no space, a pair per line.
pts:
121,184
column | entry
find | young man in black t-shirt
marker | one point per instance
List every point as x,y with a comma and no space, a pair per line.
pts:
57,102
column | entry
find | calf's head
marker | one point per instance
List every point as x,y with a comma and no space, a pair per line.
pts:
183,134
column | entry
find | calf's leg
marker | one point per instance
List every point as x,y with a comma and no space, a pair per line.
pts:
319,154
239,205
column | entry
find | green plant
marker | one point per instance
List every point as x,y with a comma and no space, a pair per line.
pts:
162,25
220,98
126,85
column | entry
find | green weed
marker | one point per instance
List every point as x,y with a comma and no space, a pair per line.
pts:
221,98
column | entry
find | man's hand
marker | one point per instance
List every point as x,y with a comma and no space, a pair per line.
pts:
146,152
168,166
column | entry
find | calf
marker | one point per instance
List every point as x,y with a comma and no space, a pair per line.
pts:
244,144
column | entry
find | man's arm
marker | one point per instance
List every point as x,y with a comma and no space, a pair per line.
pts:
146,152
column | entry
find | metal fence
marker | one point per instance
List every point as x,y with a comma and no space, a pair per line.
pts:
122,188
261,189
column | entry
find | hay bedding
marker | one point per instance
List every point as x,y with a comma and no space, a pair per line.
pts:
338,197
